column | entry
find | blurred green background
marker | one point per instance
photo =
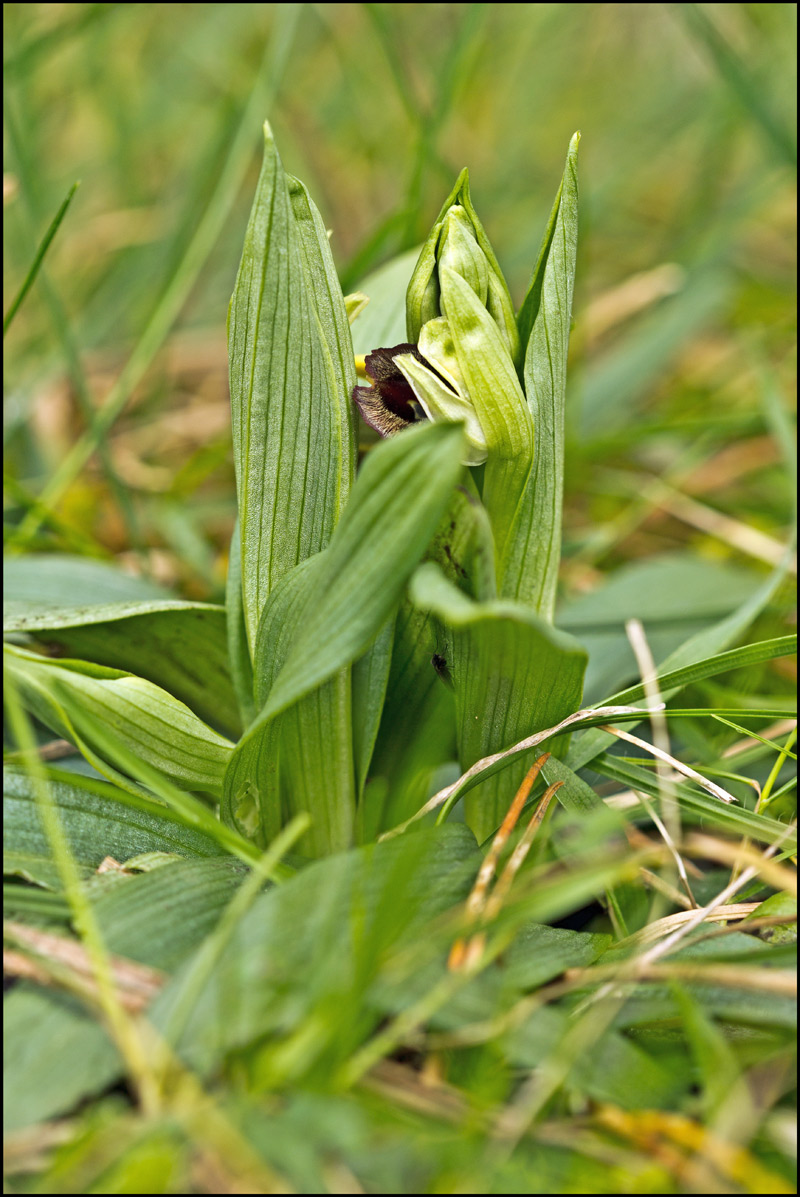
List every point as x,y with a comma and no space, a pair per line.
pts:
684,336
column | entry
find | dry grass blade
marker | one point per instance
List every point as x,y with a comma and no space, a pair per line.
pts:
521,746
686,770
477,899
699,916
463,954
670,827
56,960
666,1136
736,855
522,849
733,532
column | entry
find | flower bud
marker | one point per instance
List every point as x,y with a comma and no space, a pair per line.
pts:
459,243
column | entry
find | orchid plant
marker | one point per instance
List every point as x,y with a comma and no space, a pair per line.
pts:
381,621
440,559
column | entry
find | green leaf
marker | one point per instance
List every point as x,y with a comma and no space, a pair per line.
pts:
290,387
513,674
714,1058
539,953
179,646
322,282
338,601
87,702
398,500
40,581
45,1082
370,682
533,551
702,655
99,820
423,295
305,755
241,666
195,892
673,595
343,913
417,732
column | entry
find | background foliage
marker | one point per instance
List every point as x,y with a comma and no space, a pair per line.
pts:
685,175
679,498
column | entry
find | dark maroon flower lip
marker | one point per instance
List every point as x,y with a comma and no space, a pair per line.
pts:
389,405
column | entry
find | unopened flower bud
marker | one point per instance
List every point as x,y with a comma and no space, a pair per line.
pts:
459,243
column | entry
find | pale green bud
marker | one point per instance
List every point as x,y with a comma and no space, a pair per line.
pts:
459,251
459,243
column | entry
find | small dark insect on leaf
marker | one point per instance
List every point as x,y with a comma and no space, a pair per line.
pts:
440,665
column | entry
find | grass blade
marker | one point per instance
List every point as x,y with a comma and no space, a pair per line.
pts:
44,245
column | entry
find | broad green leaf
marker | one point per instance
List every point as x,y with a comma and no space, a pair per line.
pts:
290,388
747,1007
539,953
343,914
575,794
533,550
54,1054
591,743
513,674
29,903
78,700
614,1070
316,768
195,892
179,646
305,755
323,283
398,499
370,681
674,596
99,820
241,666
417,732
702,655
671,588
338,601
783,904
40,580
714,1057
